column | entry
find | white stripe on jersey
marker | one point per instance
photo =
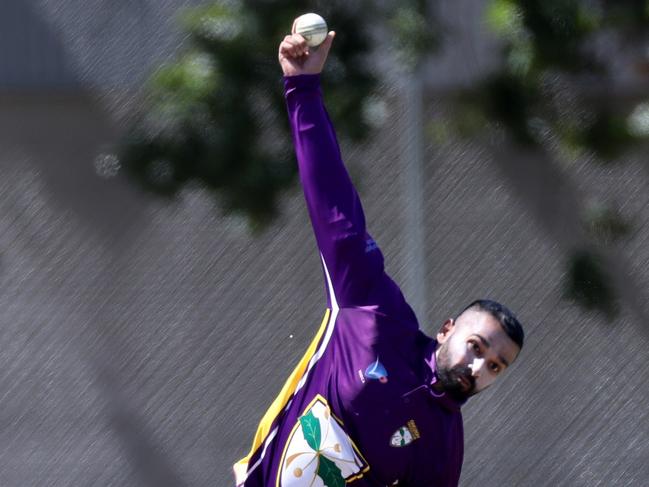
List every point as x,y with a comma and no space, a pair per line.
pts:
325,341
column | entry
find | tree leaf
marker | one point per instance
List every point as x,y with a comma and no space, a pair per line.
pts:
311,430
330,473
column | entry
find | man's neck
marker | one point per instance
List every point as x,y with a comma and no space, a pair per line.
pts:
437,387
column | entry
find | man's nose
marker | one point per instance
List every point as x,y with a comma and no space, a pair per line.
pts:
476,366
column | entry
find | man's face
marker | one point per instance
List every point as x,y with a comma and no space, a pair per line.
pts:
474,351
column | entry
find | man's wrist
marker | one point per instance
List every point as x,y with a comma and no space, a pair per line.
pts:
301,82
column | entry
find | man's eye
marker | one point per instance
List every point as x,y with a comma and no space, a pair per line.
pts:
476,347
495,367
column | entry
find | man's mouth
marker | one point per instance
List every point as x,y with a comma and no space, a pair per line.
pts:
464,382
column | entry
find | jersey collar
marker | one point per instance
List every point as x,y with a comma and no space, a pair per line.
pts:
431,378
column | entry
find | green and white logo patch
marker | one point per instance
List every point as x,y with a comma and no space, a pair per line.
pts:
319,452
405,435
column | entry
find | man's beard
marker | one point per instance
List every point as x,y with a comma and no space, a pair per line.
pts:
448,376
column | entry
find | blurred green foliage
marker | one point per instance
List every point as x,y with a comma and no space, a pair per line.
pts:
415,32
589,284
216,116
605,224
553,75
556,88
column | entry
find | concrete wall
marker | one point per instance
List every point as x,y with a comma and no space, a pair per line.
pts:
142,339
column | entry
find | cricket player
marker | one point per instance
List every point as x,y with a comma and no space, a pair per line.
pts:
374,401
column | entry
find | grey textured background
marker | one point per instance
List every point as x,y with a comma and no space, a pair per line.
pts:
141,340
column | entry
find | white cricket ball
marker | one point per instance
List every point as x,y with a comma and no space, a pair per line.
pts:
312,27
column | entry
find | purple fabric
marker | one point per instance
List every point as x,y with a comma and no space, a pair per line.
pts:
374,367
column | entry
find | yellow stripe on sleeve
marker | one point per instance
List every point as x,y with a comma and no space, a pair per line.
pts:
241,467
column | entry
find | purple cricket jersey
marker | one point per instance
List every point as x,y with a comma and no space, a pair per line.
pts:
358,408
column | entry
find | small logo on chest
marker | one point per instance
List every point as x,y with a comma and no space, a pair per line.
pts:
405,435
374,371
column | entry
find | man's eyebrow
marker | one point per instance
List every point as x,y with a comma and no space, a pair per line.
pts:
486,344
484,341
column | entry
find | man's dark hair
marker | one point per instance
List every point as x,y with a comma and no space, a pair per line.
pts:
505,317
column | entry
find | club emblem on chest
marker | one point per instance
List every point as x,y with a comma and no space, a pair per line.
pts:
319,452
405,435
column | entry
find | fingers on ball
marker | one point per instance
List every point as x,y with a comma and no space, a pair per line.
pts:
288,48
300,44
294,45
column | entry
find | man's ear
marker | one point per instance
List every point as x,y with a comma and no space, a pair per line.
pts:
446,330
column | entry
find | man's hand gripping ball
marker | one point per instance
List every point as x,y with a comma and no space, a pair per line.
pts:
296,57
